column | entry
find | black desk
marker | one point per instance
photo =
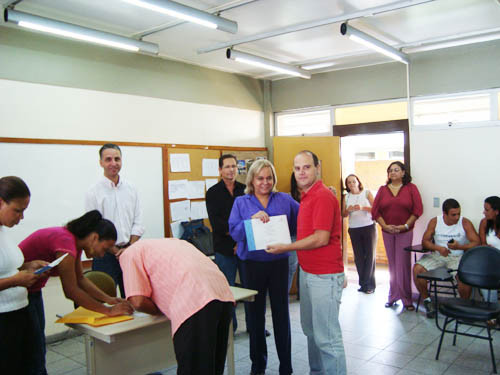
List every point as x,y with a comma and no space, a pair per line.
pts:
435,276
416,249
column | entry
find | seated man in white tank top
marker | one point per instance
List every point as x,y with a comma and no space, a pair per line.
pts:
447,237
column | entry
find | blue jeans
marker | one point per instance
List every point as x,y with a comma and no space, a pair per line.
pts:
292,267
37,316
319,315
493,295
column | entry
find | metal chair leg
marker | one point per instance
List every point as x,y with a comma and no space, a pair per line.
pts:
455,335
490,339
441,338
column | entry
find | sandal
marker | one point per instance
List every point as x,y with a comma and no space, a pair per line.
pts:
410,308
369,291
390,304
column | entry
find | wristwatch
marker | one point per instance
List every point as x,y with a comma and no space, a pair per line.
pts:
407,227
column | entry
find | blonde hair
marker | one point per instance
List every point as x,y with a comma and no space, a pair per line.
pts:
256,167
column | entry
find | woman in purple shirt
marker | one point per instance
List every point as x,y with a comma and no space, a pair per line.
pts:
262,271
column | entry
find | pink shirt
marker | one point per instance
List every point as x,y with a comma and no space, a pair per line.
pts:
396,210
44,245
178,278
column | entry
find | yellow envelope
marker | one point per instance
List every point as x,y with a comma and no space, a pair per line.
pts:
92,318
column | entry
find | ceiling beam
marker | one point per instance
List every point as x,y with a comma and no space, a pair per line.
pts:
310,25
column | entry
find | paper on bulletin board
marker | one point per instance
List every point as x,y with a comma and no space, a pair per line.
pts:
196,189
177,189
177,229
199,210
260,235
209,182
180,210
210,167
180,163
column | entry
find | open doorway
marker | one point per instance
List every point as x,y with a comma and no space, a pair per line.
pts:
368,156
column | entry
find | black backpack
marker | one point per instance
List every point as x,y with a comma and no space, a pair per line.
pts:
199,235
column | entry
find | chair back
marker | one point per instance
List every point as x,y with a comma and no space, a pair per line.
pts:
103,281
480,267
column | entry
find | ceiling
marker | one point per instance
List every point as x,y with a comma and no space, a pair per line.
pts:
262,26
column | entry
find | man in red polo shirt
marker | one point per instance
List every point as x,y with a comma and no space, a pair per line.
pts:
322,269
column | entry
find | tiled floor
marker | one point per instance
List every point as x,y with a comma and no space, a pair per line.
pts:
377,341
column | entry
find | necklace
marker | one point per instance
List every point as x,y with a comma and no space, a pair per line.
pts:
395,187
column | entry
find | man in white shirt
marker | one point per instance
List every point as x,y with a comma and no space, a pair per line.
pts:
447,237
117,200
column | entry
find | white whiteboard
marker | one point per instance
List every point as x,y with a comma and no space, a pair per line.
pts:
58,177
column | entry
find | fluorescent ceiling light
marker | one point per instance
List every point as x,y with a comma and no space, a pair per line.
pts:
186,13
317,65
261,62
373,43
69,30
452,43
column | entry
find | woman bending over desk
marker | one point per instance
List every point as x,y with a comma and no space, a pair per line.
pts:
89,233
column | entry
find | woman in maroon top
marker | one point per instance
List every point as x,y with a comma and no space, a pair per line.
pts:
396,208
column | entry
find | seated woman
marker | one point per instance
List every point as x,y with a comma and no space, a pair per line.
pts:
90,233
489,233
262,271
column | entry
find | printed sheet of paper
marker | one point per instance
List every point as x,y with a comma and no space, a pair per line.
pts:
176,229
180,163
209,182
199,210
260,235
50,265
177,189
210,167
179,211
196,189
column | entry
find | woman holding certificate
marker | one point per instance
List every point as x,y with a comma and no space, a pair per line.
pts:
262,271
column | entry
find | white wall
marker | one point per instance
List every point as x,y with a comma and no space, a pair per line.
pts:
455,163
43,111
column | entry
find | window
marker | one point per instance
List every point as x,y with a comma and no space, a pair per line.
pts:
310,123
364,156
452,110
396,155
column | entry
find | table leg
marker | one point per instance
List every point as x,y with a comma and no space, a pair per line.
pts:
230,350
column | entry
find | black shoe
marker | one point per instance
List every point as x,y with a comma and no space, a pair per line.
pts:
257,373
390,304
361,289
431,312
268,333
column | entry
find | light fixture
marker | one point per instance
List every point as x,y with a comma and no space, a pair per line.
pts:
455,42
78,32
319,65
371,42
261,62
186,13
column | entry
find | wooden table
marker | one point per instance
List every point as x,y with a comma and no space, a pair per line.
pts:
141,345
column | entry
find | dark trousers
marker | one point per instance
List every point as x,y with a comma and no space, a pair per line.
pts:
37,317
110,265
273,277
16,351
200,343
364,244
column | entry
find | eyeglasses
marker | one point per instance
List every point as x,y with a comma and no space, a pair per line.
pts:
394,170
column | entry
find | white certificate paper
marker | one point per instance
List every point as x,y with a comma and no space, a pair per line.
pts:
260,235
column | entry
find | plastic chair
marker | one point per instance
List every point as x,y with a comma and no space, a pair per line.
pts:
103,281
479,267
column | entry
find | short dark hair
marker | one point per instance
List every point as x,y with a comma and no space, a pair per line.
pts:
449,204
92,222
406,177
359,182
311,154
224,157
494,203
106,146
294,189
12,187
